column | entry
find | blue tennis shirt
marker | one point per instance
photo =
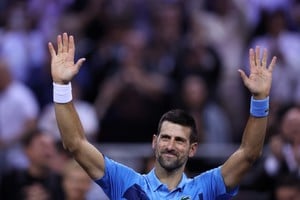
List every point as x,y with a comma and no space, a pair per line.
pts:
121,182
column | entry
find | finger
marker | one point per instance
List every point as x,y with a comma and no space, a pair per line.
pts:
51,49
71,45
251,58
257,56
59,44
272,64
264,59
65,42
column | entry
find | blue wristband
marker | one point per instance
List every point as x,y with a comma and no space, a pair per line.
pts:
259,108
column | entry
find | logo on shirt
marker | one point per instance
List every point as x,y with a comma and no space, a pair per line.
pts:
185,198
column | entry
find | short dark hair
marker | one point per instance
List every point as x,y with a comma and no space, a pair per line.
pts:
30,135
183,118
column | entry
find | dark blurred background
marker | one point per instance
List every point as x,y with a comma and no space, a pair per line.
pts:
145,57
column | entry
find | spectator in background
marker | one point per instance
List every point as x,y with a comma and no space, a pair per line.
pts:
199,57
77,184
63,161
133,96
253,8
223,25
37,181
286,188
166,36
283,157
206,112
20,28
285,146
18,114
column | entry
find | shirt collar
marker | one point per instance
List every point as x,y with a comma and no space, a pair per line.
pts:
155,183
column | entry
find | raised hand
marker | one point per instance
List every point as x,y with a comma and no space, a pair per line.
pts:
63,68
260,78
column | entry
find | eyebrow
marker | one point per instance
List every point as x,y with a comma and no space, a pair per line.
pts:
177,138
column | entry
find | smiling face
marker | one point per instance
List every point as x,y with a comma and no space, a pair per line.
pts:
172,146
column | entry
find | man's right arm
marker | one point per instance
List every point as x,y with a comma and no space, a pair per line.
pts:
63,69
75,142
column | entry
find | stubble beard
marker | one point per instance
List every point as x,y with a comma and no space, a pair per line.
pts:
170,164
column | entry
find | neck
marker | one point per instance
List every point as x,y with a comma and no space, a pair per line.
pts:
169,178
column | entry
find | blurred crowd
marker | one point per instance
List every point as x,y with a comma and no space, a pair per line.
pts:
145,57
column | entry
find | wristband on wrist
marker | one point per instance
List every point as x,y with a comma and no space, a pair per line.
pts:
62,93
259,108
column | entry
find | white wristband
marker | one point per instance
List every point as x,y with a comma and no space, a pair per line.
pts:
62,93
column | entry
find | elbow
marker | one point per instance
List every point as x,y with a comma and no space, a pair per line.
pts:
253,156
71,147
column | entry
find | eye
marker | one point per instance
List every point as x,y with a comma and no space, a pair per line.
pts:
180,140
164,137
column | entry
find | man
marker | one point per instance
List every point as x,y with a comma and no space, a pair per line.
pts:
76,182
174,143
287,187
37,181
19,112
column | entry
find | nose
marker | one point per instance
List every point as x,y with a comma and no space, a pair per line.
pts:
171,144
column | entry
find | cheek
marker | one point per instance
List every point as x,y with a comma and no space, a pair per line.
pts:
158,147
185,150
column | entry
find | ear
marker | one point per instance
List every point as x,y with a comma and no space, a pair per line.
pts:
193,149
154,141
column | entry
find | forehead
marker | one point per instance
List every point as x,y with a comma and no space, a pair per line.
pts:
42,139
177,130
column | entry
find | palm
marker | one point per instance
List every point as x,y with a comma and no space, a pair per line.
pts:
259,81
260,78
63,68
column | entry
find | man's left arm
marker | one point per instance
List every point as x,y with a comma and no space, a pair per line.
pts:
259,84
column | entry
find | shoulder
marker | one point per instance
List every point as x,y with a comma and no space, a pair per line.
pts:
211,183
119,179
117,171
211,177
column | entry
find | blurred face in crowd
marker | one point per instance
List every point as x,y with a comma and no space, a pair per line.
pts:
41,150
287,193
76,182
290,125
194,92
172,146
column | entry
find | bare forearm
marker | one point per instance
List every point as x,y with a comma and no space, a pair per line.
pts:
253,138
241,161
69,125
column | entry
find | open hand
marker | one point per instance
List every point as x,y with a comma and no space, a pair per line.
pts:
260,78
63,68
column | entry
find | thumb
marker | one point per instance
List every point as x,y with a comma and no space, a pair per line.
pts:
79,63
243,76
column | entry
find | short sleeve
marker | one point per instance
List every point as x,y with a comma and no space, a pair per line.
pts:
117,178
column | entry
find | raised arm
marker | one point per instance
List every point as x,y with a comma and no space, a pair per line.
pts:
259,84
63,69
